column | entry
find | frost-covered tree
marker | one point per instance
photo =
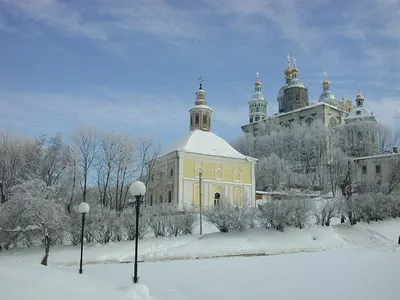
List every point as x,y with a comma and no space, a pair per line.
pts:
271,171
31,215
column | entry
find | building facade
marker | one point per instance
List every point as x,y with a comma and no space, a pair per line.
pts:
379,172
201,158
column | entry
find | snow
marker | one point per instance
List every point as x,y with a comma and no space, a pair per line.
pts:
206,143
203,106
359,112
37,282
358,262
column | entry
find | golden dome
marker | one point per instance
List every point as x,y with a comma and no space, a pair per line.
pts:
288,71
325,83
258,83
295,70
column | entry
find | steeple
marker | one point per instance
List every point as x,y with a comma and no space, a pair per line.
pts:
257,103
200,113
325,83
295,71
359,98
288,71
257,84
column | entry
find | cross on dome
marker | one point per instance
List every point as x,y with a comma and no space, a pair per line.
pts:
201,80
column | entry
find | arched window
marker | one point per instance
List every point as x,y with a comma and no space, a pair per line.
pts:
151,200
217,196
171,172
169,196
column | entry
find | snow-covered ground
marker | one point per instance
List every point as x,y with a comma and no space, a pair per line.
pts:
363,262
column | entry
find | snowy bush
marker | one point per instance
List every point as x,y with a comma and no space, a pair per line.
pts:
128,224
103,225
301,210
225,216
275,214
166,221
376,206
325,210
74,226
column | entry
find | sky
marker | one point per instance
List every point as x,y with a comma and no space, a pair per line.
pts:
132,66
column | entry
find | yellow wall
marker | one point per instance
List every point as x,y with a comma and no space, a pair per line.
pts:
211,170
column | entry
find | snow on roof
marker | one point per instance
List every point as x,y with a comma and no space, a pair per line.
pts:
376,156
201,106
359,112
207,143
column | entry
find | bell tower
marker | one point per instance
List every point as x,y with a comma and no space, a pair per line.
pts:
200,113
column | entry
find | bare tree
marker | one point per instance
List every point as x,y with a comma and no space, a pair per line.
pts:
325,210
394,173
148,152
85,146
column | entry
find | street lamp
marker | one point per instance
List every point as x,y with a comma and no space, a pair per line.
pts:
137,189
83,208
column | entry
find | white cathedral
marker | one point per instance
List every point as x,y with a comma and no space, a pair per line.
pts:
294,105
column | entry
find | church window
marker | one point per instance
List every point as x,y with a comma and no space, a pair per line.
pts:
297,97
364,170
217,196
257,109
257,118
204,119
151,200
169,196
251,120
378,169
171,172
196,119
191,120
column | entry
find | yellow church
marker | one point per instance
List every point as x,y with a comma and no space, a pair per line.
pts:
201,158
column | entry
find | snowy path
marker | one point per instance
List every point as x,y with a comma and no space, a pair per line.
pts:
363,237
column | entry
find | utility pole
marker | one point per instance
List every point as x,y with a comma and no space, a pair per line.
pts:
201,205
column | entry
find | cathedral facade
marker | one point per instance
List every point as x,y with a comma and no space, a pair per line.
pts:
295,108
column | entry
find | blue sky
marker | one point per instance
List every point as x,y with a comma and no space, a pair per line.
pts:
132,65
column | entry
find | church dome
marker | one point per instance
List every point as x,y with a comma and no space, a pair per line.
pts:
281,91
327,97
257,96
296,83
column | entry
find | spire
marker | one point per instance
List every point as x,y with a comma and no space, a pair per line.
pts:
325,83
200,79
295,71
359,98
201,94
257,84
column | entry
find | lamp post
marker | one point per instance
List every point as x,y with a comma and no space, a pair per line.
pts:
83,208
137,189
